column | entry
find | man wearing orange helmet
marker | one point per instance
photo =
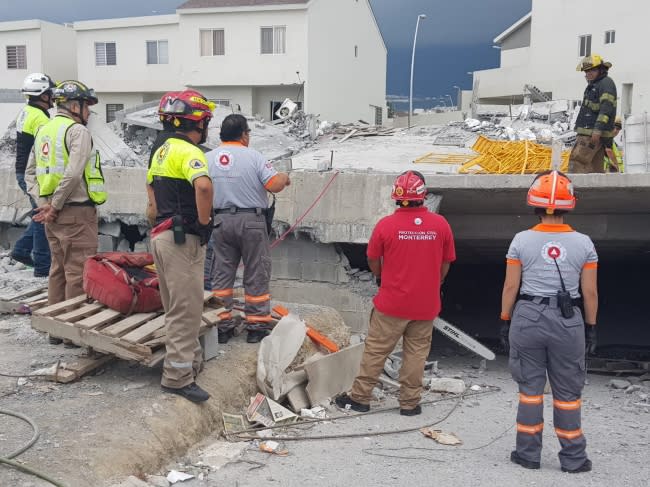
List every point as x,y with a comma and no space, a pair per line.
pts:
546,267
180,193
411,251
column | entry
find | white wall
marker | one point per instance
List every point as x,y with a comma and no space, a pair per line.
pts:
127,99
242,63
59,51
131,73
262,98
241,95
515,57
31,38
339,85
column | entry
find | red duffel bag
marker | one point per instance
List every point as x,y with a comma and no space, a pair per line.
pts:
121,281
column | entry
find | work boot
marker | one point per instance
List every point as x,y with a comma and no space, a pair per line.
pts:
411,412
585,467
191,392
224,335
54,340
255,336
23,259
343,401
515,458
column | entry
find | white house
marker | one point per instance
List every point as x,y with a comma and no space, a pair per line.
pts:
544,48
328,55
29,46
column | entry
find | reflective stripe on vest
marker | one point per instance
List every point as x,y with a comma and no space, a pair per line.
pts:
52,158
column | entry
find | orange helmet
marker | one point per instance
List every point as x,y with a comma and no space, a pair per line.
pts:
409,186
552,190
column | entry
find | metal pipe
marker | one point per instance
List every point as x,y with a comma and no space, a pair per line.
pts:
415,39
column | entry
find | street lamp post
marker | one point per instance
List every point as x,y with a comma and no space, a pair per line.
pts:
457,97
415,39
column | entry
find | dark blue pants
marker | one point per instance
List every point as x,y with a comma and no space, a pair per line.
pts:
33,243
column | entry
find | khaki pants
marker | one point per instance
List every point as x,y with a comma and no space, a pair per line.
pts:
72,239
383,334
586,157
180,271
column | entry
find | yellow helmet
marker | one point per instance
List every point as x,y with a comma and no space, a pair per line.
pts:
591,62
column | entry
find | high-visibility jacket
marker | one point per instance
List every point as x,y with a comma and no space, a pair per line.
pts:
52,157
619,156
598,110
29,120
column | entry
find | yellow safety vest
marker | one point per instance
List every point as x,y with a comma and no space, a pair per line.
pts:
52,158
30,119
619,156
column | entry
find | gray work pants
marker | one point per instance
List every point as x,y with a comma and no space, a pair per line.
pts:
543,342
242,236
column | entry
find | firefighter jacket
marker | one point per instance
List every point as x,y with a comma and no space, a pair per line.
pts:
598,111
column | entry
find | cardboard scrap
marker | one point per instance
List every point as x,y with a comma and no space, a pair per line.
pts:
440,437
268,412
234,423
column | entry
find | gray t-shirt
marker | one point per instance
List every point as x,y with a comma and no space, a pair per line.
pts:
536,249
239,175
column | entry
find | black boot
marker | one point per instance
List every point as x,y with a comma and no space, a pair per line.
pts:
343,401
225,335
515,458
255,336
585,467
191,392
411,412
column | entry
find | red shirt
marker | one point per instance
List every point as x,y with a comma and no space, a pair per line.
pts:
413,243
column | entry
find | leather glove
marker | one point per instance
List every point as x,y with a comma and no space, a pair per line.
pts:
204,231
504,332
591,339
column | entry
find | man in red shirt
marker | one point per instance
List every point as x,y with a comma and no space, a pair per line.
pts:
411,251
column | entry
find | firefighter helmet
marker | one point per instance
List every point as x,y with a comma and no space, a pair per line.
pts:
409,186
188,105
36,84
70,90
552,190
591,62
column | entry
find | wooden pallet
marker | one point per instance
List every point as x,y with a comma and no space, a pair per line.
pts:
28,300
138,337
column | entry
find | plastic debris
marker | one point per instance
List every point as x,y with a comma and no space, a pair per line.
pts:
176,476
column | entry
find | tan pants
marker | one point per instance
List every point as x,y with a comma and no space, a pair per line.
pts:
72,239
586,157
180,270
383,334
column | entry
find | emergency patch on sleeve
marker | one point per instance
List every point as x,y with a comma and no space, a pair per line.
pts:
196,164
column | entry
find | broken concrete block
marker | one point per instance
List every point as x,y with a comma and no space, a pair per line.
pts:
7,214
105,243
619,384
114,229
452,386
157,481
298,399
333,374
210,343
632,388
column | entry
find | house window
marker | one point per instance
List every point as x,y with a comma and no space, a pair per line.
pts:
379,116
105,54
111,109
610,37
585,45
16,57
274,40
221,101
213,42
157,52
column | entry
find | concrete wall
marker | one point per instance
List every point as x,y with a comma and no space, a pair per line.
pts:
238,95
341,86
515,57
19,36
59,53
429,119
263,96
518,39
127,99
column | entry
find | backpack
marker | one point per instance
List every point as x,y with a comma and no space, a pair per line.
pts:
122,281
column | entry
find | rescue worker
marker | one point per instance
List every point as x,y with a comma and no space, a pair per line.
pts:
180,191
242,177
595,122
411,251
64,174
614,156
548,334
31,248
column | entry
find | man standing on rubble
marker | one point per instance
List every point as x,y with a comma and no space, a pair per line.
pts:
242,178
546,267
32,248
411,251
595,122
180,191
64,175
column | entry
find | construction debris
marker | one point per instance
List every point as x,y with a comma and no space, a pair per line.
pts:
440,437
268,412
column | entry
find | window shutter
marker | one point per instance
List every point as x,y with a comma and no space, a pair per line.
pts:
152,52
100,54
206,42
163,52
218,43
267,40
279,36
111,54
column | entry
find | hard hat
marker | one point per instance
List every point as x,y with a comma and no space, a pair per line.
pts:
188,104
591,62
36,84
618,123
409,186
70,90
552,190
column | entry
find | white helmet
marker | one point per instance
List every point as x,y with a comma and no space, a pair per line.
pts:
36,84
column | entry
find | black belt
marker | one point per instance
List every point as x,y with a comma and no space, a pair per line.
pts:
547,300
83,203
234,209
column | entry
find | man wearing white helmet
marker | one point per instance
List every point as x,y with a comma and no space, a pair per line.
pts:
32,248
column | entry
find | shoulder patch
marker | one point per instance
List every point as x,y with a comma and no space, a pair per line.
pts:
197,164
162,153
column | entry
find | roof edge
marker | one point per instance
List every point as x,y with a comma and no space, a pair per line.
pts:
122,22
514,27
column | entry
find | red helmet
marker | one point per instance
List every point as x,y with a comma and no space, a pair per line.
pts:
553,191
409,186
188,104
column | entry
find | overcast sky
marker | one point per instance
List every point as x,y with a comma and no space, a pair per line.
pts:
456,36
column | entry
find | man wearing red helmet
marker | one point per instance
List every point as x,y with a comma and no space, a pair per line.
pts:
547,265
411,251
180,194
